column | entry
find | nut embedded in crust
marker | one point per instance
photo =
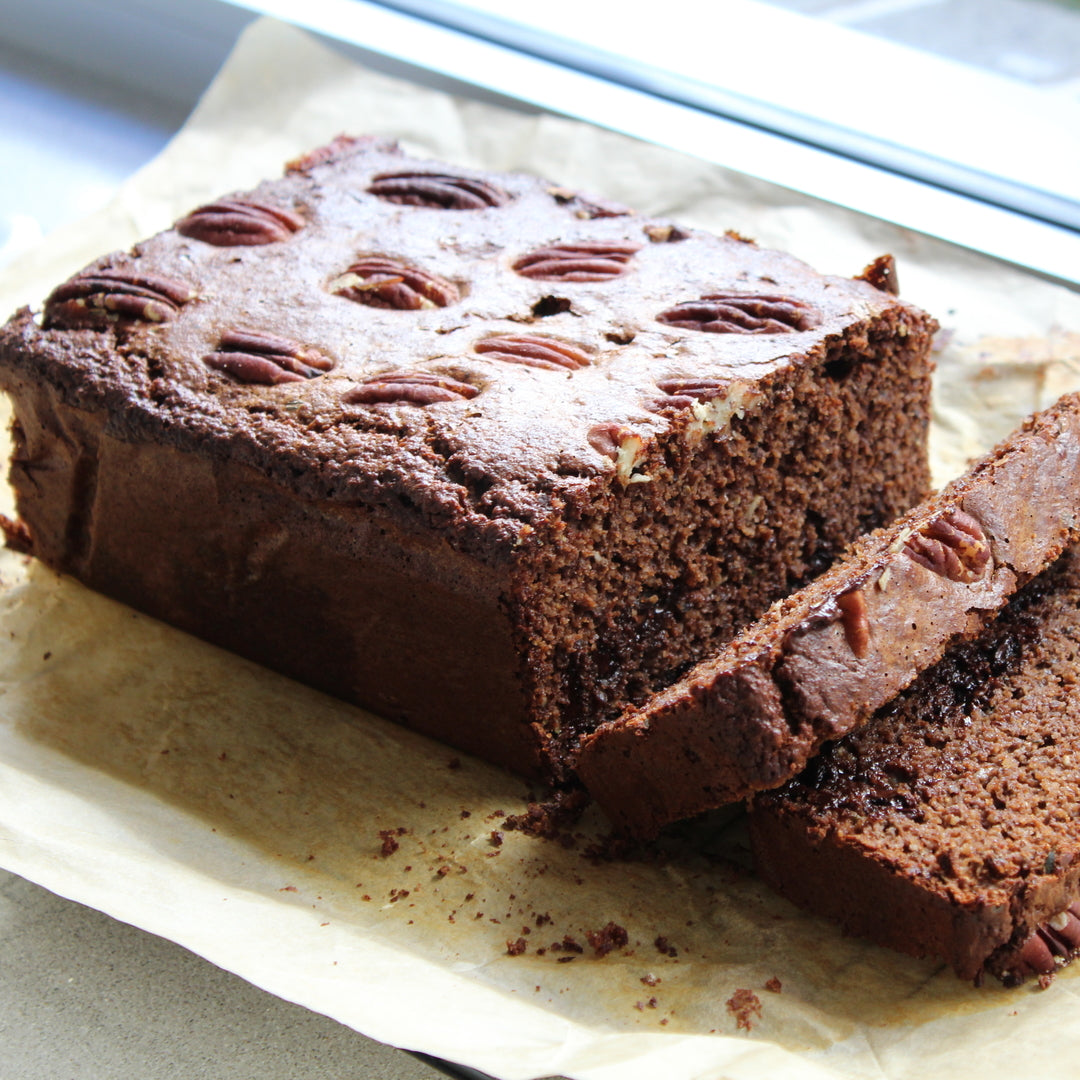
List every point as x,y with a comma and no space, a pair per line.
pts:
954,545
409,388
576,262
856,625
239,223
267,359
437,191
388,283
534,350
1052,944
739,313
94,299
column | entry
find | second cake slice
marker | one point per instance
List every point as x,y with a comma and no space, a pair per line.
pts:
823,660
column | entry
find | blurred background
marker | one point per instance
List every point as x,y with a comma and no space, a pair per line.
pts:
972,98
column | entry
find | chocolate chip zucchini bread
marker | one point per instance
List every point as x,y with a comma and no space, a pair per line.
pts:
475,451
821,661
949,826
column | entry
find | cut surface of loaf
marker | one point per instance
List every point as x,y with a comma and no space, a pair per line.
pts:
949,826
822,660
472,450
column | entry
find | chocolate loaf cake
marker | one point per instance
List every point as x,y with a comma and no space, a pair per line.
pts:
949,826
821,661
475,451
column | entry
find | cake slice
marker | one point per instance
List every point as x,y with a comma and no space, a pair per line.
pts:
473,450
820,662
949,825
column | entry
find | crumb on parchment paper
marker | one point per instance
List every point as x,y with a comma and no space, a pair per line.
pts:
745,1006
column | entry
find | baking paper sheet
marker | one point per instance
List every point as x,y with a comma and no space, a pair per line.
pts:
363,871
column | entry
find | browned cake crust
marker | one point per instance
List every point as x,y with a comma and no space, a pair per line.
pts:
474,451
820,662
949,826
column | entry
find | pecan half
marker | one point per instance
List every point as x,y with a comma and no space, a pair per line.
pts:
954,545
739,313
533,350
239,223
94,299
852,607
684,392
437,190
388,283
576,262
338,148
625,447
409,388
254,357
881,273
1059,937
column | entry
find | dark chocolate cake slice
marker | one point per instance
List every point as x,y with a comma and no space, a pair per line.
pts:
821,661
949,825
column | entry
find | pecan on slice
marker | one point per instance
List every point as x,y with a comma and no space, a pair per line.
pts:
239,223
533,350
741,313
437,190
409,388
94,299
852,605
388,283
254,357
576,262
953,545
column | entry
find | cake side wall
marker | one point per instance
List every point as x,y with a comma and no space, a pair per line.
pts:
663,573
869,898
325,593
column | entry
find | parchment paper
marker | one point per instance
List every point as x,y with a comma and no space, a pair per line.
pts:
351,866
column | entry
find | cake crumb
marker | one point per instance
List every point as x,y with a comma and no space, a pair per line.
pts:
650,980
568,944
608,939
745,1006
516,948
664,946
774,986
549,819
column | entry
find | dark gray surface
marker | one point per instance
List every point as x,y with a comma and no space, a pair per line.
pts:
83,997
